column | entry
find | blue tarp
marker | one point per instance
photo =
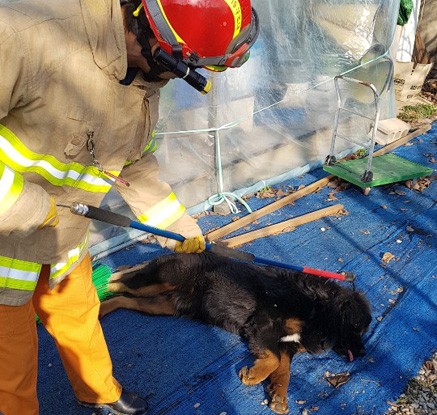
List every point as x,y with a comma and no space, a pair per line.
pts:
187,368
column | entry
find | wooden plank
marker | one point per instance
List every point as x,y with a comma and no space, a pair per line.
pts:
252,217
287,225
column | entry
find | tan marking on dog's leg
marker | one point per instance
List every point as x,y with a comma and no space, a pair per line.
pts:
159,305
278,387
144,291
266,363
110,305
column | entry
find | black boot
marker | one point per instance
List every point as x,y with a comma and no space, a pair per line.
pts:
128,404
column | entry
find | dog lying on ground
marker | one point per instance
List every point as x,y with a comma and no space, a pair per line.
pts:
277,312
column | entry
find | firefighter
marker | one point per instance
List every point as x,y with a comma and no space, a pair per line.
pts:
79,91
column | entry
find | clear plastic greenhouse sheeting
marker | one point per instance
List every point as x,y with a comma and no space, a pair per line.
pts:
272,118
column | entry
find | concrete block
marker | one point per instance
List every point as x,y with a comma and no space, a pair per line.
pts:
390,130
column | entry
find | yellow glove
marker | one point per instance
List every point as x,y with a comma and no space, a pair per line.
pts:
52,218
194,245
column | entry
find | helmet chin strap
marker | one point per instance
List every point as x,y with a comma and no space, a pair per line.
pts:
155,68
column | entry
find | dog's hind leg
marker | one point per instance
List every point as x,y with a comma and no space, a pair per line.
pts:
266,362
279,380
158,305
119,286
127,272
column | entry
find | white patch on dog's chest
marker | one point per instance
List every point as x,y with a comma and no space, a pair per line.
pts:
291,338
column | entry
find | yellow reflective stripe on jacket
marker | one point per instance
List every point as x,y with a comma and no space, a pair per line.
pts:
73,256
164,213
17,156
23,275
17,274
11,186
151,146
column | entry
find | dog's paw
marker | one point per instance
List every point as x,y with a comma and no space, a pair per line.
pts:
279,404
115,286
247,378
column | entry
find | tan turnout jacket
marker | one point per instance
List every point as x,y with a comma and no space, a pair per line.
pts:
60,67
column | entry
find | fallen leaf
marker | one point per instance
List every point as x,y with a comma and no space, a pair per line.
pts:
421,184
387,257
331,196
265,193
429,365
397,291
281,193
338,379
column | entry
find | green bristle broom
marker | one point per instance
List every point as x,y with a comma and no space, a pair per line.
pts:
101,275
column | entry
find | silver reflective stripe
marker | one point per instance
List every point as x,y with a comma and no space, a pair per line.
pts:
18,274
6,182
73,256
11,186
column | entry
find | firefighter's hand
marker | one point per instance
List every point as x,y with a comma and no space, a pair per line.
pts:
194,245
52,218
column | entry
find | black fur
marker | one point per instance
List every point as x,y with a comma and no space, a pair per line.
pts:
261,304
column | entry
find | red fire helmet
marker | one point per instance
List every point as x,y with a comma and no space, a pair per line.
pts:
216,34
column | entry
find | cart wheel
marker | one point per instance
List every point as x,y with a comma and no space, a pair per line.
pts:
366,191
330,160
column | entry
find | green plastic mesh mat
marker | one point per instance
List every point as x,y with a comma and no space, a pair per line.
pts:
386,169
101,275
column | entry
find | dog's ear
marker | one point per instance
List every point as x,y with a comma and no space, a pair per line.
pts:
354,310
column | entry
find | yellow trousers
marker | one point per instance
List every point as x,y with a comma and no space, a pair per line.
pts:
69,312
